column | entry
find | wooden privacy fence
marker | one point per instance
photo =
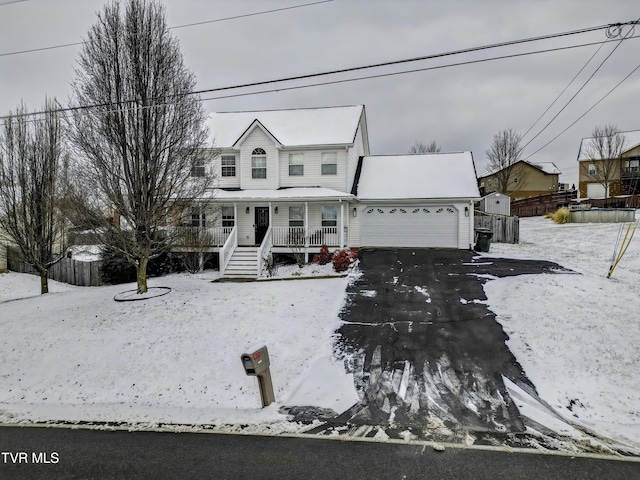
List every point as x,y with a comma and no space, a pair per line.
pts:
505,229
67,270
542,204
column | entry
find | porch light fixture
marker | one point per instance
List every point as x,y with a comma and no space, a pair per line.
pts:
466,210
276,210
248,210
355,212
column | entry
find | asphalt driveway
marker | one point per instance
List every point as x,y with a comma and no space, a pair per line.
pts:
428,356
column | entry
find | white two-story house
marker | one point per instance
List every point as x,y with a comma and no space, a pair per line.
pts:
294,180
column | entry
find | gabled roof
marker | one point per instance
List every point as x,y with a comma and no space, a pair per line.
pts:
430,176
300,127
631,141
548,168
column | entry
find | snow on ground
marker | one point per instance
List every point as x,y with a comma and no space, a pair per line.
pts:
576,336
79,356
75,354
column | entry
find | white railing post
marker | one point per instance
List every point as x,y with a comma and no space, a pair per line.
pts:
265,246
227,249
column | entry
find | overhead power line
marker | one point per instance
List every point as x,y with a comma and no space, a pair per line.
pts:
235,17
332,82
629,33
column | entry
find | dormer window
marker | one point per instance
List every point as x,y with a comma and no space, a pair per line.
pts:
258,163
296,164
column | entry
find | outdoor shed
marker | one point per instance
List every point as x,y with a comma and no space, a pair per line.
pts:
417,200
496,203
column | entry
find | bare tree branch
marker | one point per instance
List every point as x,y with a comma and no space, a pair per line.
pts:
603,154
31,189
420,147
505,162
136,152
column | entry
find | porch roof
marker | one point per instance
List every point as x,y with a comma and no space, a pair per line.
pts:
283,194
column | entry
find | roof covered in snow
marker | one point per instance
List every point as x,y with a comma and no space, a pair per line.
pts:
546,167
631,140
297,193
309,126
430,176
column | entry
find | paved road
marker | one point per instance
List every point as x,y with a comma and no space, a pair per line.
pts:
428,357
85,454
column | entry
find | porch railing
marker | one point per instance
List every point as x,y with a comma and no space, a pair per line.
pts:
227,249
201,236
265,248
307,237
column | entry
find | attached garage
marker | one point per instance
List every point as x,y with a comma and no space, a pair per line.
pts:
410,226
415,201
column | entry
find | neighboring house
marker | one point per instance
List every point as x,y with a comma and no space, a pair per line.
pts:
290,181
530,180
495,203
621,175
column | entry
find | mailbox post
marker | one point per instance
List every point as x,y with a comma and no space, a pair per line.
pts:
256,363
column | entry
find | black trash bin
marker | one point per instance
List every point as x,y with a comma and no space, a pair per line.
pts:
483,239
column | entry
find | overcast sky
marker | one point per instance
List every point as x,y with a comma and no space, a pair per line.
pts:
461,107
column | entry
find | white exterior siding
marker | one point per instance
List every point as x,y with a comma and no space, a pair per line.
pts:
353,157
258,139
216,170
313,169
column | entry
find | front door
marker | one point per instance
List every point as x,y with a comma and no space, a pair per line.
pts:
262,223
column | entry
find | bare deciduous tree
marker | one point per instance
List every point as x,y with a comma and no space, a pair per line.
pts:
604,152
31,190
420,147
504,162
144,133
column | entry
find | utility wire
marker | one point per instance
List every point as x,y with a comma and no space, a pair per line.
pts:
264,12
582,87
585,113
377,65
331,82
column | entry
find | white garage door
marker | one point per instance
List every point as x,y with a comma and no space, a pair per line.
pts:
424,226
596,190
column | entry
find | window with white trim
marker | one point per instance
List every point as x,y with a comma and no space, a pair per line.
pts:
228,216
329,216
593,169
329,163
197,167
258,163
296,216
228,163
296,164
198,217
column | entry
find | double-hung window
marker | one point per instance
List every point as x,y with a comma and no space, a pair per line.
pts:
593,169
329,163
197,167
330,216
228,165
296,164
198,217
259,163
296,216
228,217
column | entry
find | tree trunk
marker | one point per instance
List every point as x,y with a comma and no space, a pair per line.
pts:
44,282
141,275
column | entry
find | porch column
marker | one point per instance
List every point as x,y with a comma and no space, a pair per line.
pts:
306,232
342,245
270,215
235,215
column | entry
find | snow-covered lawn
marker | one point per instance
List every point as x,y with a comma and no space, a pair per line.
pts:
576,336
78,355
75,354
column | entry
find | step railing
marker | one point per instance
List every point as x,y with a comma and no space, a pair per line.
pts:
227,249
265,249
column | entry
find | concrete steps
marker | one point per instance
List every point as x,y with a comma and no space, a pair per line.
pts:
243,263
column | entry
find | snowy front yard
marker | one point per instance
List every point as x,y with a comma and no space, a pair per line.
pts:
77,355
